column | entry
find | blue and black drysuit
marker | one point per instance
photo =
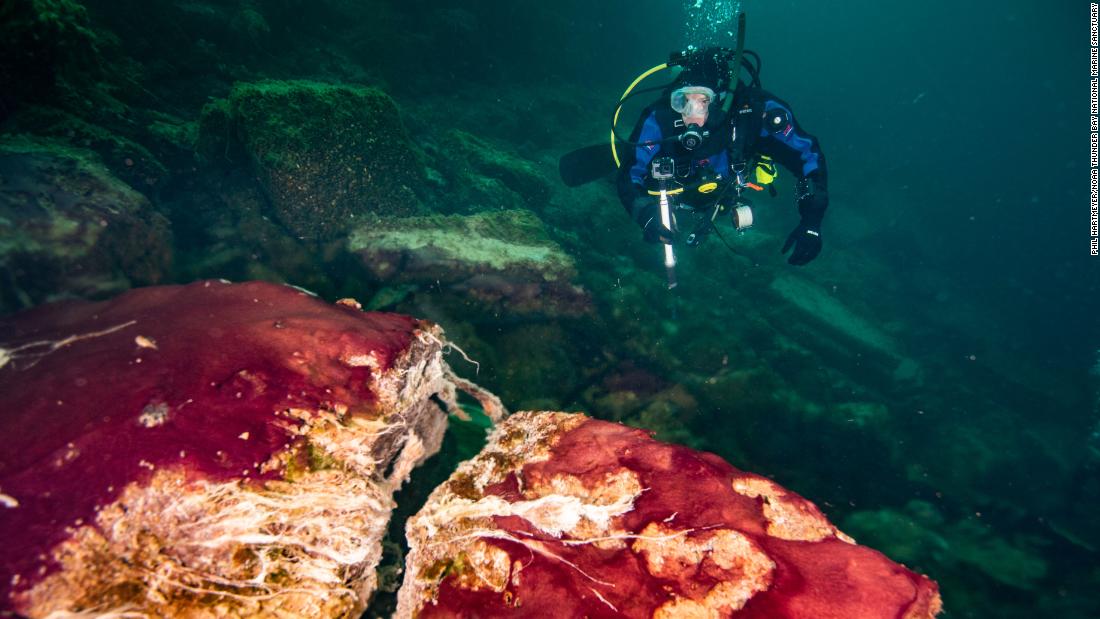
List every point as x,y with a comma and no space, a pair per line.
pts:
759,124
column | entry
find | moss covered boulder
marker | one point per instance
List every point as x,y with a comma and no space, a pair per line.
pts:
504,263
324,154
68,227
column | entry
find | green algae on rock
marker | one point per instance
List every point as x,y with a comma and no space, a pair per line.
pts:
126,158
483,177
67,224
504,261
325,154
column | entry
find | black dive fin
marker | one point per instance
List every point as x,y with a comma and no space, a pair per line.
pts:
587,164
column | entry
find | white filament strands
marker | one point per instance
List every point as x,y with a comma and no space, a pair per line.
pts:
10,354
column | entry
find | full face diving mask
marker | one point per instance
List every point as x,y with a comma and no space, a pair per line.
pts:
691,106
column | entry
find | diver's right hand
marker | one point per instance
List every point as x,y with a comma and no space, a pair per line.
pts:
648,215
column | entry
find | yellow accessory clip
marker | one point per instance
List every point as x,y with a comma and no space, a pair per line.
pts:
671,192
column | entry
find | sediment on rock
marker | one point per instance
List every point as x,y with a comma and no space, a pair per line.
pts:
495,263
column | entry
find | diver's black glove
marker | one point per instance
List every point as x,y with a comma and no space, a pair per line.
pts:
806,242
648,215
813,199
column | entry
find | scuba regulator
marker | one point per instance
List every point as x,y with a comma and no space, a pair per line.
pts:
693,136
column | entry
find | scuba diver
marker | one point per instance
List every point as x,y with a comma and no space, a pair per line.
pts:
709,139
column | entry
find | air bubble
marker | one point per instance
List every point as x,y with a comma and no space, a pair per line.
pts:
708,22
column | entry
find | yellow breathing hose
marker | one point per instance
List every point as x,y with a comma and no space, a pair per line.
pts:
619,108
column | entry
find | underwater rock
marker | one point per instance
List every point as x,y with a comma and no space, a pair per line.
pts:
920,535
530,362
208,450
214,141
46,48
844,327
124,157
70,227
504,262
482,177
324,154
565,516
819,304
221,229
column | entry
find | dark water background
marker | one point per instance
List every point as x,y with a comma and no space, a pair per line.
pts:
958,231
